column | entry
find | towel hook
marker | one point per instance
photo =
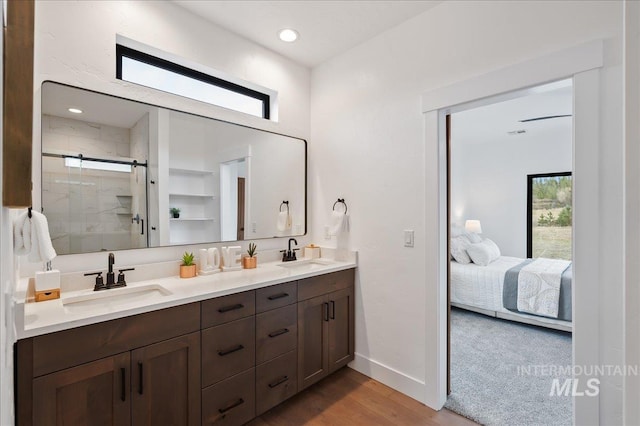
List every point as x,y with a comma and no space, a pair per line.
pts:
340,200
286,203
29,213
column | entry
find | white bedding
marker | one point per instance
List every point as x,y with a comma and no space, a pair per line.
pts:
481,286
475,286
539,286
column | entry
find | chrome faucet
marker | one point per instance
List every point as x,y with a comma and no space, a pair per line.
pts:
289,255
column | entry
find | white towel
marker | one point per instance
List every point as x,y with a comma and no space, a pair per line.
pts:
339,223
22,235
284,221
31,236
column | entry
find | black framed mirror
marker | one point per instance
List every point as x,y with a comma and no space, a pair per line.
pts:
120,174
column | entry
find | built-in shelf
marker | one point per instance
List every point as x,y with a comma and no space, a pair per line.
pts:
124,195
124,213
190,171
181,194
194,190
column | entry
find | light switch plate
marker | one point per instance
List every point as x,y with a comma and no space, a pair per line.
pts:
408,237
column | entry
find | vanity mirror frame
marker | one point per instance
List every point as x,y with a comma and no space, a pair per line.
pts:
303,221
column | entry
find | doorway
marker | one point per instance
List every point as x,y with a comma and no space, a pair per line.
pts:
581,63
241,212
493,151
233,181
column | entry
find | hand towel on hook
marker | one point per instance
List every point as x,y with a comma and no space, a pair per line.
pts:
339,223
31,236
284,221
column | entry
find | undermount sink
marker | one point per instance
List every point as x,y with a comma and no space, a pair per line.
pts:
116,298
305,264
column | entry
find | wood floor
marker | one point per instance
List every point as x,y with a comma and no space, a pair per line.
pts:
350,398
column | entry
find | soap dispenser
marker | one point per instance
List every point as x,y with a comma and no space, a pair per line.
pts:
47,284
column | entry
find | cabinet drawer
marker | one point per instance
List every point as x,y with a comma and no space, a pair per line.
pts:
230,402
323,284
68,348
276,381
228,308
276,296
227,349
276,332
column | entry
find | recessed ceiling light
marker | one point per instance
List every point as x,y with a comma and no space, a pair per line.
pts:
288,35
75,110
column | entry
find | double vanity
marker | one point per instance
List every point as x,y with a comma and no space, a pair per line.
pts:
216,349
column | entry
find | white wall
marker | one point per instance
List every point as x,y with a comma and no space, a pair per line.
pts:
367,145
489,180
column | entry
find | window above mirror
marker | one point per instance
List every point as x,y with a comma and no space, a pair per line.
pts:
151,71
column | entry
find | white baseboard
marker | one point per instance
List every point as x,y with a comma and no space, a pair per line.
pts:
390,377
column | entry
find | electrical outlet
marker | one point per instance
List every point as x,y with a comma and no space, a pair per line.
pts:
408,238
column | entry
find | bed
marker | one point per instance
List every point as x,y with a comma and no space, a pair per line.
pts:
482,289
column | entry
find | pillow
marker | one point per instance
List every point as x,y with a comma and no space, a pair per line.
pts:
473,237
458,248
484,252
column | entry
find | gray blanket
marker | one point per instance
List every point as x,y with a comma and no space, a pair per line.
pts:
510,291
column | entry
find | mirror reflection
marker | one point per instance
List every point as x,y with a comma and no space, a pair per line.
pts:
121,174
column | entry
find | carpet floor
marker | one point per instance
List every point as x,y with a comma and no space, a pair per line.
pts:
489,380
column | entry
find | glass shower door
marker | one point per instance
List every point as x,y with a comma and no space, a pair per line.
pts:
94,204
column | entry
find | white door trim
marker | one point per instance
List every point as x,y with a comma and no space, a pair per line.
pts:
580,63
552,67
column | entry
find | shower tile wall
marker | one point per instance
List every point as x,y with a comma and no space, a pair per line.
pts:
88,210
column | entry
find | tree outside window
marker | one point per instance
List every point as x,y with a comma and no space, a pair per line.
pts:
550,218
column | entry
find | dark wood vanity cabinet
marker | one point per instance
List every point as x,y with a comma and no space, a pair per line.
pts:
228,359
326,325
96,393
137,370
156,384
276,345
222,361
165,382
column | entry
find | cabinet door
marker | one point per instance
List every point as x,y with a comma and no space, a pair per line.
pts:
165,383
341,328
313,347
96,393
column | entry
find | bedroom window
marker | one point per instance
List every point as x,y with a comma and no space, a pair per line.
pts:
142,68
549,215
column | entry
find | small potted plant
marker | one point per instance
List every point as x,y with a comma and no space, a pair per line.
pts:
250,261
188,267
175,212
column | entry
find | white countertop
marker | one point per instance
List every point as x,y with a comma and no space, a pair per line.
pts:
34,319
